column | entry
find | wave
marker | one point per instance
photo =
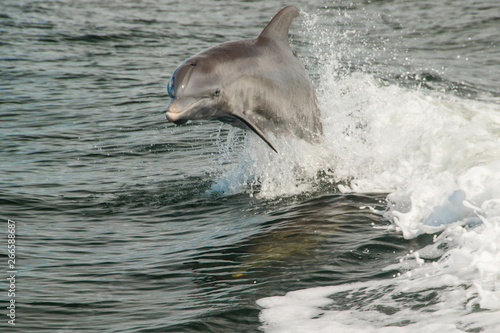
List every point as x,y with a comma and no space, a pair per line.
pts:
437,154
435,150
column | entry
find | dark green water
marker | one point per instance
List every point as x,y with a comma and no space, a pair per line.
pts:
127,223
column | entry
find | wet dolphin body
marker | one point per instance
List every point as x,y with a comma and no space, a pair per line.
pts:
257,84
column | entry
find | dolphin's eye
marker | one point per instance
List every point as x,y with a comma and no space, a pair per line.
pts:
170,86
217,92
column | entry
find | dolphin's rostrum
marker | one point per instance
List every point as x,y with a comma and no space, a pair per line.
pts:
257,84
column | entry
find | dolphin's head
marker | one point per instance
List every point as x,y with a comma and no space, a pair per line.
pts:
195,91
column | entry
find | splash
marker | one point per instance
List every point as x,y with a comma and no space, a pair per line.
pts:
261,172
437,155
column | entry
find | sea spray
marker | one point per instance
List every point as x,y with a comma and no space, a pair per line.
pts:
436,155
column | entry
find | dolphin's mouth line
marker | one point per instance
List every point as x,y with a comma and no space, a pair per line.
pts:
174,116
186,108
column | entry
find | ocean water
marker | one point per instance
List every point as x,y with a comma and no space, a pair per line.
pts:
128,223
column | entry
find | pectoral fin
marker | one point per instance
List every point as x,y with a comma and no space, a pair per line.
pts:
255,129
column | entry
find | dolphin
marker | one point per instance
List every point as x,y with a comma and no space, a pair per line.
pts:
257,84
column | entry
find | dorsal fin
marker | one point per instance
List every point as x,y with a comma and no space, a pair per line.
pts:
277,29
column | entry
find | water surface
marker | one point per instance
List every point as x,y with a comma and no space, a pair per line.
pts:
127,223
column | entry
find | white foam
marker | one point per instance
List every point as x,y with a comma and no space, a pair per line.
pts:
438,157
261,171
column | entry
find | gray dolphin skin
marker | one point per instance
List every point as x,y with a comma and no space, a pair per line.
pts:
257,84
